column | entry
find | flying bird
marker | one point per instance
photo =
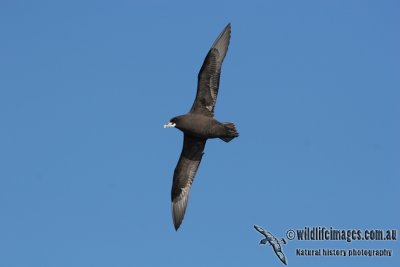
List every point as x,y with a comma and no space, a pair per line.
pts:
199,125
274,242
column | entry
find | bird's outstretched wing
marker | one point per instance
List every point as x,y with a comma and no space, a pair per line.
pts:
210,72
260,230
184,174
278,250
281,256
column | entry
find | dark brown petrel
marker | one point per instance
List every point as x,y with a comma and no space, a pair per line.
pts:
199,125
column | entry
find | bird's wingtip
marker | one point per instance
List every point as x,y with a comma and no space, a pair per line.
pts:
178,212
228,27
176,225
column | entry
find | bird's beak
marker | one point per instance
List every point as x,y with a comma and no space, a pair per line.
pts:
169,125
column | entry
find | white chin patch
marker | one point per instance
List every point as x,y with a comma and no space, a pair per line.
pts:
169,125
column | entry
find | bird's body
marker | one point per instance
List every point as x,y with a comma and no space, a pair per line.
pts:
199,125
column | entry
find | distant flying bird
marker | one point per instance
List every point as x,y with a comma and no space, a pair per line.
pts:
199,125
274,242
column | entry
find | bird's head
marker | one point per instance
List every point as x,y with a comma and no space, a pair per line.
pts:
173,122
263,241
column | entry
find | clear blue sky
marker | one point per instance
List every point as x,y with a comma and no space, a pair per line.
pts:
86,166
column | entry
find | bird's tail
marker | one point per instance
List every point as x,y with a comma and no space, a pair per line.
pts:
230,132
